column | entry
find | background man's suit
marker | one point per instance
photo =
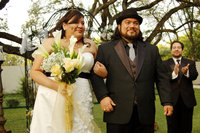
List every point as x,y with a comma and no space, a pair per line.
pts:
124,87
183,96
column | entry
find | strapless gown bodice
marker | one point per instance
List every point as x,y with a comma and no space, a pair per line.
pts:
88,62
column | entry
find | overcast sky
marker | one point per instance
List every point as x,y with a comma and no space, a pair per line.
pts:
17,15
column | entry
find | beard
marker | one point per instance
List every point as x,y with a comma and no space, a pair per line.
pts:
131,38
177,56
134,37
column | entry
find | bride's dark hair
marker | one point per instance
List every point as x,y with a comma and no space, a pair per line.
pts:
72,13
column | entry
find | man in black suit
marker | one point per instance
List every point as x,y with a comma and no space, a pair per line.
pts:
181,72
128,96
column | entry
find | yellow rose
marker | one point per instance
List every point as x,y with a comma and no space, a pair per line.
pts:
69,65
56,70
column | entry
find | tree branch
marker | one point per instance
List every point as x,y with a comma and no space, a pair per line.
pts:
164,19
10,49
140,8
158,39
3,3
149,5
15,50
174,30
93,6
101,7
195,2
10,37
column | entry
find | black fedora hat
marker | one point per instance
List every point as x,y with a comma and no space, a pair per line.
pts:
128,13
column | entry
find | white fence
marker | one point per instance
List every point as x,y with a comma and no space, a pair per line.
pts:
11,77
197,81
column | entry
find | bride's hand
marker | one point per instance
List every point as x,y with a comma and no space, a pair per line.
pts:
62,88
100,70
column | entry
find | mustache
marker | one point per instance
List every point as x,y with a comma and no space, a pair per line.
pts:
132,29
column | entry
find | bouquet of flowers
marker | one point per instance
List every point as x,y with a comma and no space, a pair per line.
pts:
65,66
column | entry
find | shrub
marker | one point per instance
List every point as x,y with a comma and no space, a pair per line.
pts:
12,103
27,94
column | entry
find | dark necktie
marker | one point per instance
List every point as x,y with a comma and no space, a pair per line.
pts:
178,61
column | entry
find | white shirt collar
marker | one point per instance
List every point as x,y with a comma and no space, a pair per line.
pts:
177,59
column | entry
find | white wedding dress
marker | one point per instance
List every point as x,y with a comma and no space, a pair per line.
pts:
49,115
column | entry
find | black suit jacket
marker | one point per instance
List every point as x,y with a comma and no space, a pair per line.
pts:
122,86
182,86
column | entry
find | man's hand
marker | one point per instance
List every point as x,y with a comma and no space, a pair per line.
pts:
185,69
107,104
168,110
176,69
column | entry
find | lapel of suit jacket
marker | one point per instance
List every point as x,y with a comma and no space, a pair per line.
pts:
121,52
140,57
171,64
183,62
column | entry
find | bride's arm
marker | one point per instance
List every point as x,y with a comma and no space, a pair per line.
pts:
99,69
37,74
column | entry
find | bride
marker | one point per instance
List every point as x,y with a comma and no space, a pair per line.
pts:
48,114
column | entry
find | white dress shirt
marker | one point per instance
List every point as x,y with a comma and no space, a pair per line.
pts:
174,75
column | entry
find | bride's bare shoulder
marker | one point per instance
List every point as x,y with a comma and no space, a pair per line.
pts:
92,47
48,43
90,41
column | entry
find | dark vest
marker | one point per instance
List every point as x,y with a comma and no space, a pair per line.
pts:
133,65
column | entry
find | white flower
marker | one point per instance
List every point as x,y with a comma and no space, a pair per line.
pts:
41,51
81,63
103,34
52,59
80,57
57,37
80,51
73,41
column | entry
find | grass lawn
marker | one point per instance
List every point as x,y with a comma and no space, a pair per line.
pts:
16,118
161,120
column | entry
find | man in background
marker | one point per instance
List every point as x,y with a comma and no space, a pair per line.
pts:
182,72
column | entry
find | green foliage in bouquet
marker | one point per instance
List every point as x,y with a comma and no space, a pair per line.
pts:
69,78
